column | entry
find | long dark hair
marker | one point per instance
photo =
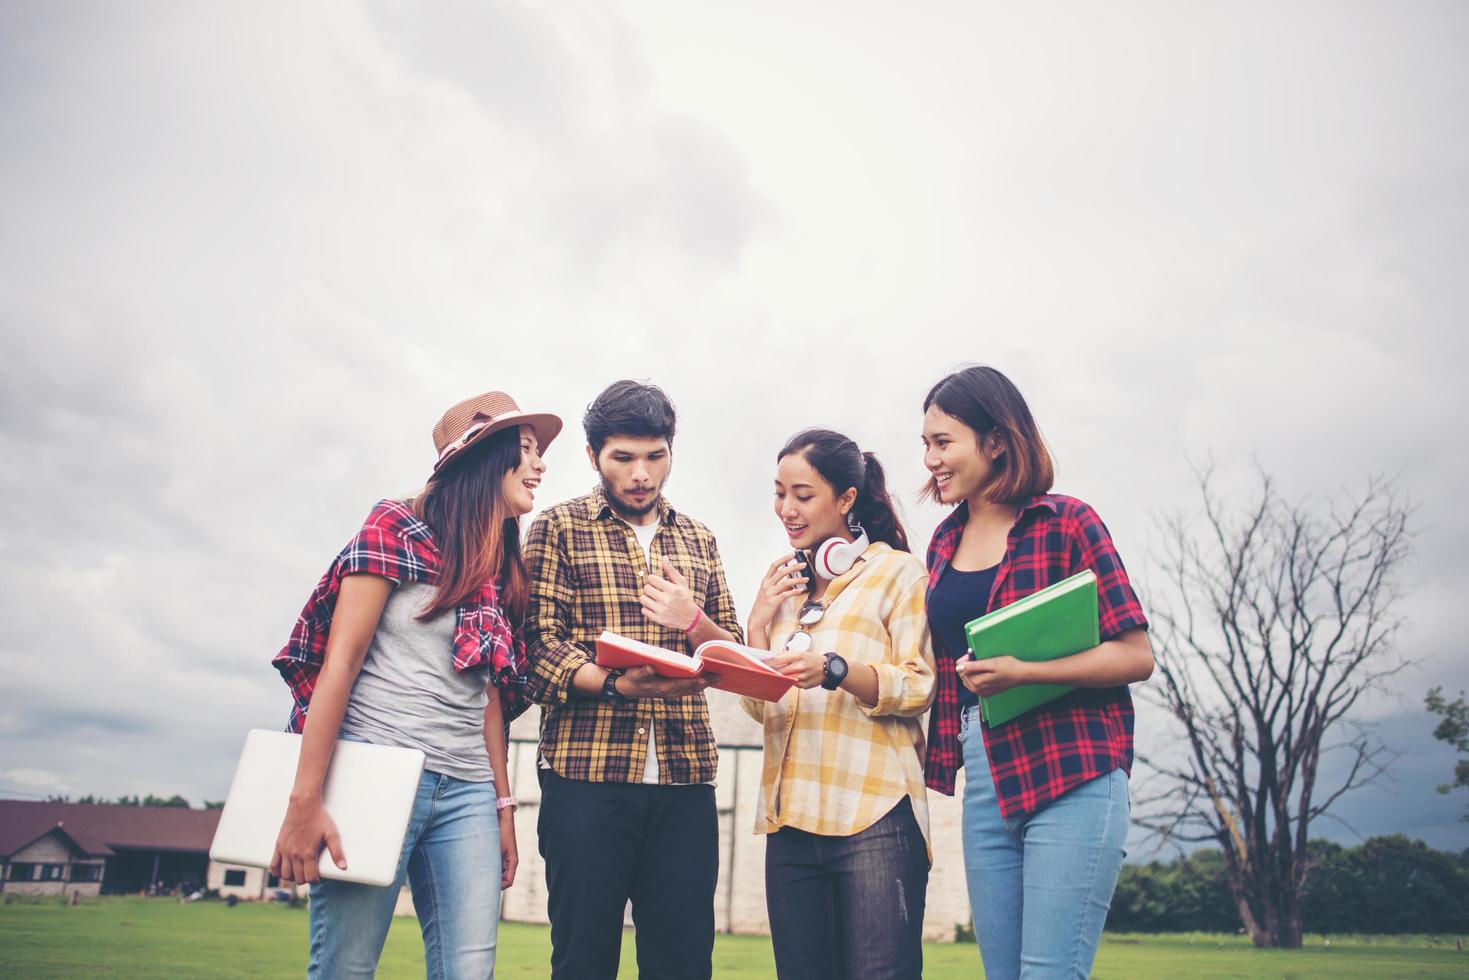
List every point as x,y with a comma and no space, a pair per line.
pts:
478,538
844,466
988,402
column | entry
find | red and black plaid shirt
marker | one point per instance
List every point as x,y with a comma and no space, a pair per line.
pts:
395,544
1084,734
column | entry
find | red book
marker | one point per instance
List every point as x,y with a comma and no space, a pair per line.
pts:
741,669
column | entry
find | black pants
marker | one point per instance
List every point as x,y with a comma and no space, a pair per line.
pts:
605,843
848,907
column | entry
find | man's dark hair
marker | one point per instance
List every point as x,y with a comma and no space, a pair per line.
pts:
629,408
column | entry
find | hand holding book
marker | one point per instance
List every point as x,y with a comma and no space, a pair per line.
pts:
645,682
1009,646
993,675
806,668
728,666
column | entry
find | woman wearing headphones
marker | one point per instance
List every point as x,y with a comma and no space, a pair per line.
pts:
842,796
412,639
1045,797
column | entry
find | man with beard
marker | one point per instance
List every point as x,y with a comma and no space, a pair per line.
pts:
627,758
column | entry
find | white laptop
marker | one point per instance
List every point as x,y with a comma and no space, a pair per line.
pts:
369,793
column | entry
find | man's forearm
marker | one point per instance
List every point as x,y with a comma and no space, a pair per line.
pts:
588,680
706,630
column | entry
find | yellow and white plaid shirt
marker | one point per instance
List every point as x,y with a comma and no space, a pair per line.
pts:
834,766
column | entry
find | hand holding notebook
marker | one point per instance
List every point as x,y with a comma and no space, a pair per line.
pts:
1057,621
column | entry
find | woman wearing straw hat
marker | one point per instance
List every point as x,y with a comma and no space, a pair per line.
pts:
412,639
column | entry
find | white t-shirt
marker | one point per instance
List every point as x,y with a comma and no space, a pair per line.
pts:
645,535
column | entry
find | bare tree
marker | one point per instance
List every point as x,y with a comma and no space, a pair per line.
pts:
1275,619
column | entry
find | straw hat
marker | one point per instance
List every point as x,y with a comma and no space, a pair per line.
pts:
476,419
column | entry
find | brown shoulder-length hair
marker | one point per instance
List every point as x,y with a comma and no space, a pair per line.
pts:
477,536
988,402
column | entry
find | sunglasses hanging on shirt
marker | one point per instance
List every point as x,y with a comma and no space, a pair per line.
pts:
800,639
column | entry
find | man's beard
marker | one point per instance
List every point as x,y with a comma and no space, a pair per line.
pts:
625,508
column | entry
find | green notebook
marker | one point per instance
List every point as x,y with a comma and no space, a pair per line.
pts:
1057,621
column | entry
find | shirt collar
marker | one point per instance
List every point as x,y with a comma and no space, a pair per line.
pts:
602,507
1041,501
952,524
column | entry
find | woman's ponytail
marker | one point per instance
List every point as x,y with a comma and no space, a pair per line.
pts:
875,507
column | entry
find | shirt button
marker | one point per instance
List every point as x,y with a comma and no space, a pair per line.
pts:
642,731
640,573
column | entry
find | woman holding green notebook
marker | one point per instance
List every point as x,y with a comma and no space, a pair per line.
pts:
1046,805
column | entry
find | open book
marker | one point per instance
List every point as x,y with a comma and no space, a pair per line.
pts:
741,669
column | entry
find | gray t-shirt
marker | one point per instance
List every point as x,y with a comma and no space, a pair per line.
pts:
409,694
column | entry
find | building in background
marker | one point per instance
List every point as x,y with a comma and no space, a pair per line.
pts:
111,849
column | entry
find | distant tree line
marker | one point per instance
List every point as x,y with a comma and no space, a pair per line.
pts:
149,800
1384,885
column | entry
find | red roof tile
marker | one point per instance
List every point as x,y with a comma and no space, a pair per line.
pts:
98,828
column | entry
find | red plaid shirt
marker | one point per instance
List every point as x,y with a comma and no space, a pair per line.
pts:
395,544
1081,735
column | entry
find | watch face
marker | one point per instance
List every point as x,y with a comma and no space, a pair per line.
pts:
836,672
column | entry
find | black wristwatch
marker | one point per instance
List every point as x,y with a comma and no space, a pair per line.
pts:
609,688
834,672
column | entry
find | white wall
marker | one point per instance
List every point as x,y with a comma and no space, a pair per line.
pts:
254,886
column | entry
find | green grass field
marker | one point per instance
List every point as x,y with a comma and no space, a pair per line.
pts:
138,937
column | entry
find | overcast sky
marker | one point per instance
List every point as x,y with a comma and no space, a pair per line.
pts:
249,253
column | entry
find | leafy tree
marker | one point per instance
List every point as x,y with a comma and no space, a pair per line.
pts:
1389,885
1186,895
1384,885
1453,729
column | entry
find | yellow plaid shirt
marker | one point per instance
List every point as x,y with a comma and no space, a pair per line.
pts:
587,571
834,766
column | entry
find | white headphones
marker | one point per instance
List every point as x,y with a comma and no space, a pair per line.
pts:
836,556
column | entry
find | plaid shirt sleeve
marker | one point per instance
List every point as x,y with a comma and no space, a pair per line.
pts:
1118,607
554,659
905,678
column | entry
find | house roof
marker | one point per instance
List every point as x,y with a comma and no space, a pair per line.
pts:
99,828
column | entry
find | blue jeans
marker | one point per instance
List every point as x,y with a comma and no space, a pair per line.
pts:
1039,886
451,857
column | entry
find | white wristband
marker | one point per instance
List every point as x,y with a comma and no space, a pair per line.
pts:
506,803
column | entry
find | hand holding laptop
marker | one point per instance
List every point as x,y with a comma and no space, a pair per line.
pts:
362,810
306,829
